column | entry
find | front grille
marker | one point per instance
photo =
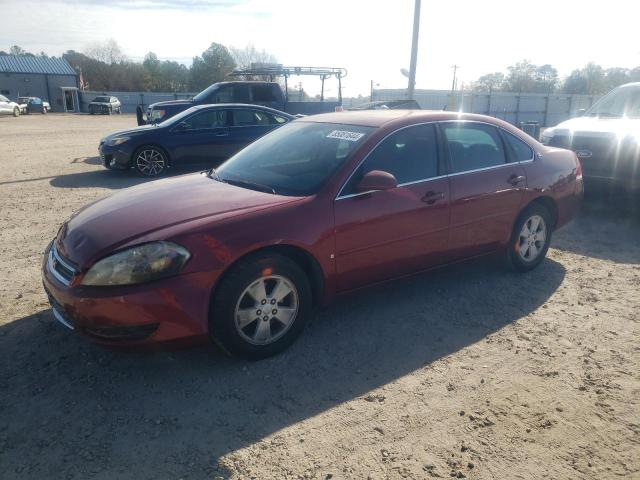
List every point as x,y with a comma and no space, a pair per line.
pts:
60,267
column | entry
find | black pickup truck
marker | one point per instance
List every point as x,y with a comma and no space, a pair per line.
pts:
268,94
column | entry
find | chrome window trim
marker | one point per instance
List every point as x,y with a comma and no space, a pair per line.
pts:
415,182
340,197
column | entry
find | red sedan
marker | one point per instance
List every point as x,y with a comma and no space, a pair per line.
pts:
322,206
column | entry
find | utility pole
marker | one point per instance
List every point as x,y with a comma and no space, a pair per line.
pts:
373,85
453,83
414,49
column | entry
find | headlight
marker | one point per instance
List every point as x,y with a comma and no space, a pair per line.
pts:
118,141
547,135
139,264
157,114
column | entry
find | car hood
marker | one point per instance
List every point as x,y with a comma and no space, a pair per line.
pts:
132,131
169,103
605,126
145,210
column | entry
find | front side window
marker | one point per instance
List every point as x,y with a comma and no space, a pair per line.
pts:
3,98
410,155
206,120
472,146
223,95
295,159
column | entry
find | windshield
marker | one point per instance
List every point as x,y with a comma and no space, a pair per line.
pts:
296,159
177,118
621,102
102,99
204,95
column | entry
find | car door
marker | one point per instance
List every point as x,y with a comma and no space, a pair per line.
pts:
247,125
201,138
388,233
486,188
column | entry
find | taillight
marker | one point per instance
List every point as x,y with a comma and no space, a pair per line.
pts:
578,169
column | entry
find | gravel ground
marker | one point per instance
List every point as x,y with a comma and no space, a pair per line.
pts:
464,372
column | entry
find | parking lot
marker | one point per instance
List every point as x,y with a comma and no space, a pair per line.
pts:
468,371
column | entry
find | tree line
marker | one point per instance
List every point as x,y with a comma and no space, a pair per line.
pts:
526,77
105,67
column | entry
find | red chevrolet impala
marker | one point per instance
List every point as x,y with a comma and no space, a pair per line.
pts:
319,207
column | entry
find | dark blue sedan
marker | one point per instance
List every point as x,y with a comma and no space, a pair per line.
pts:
203,135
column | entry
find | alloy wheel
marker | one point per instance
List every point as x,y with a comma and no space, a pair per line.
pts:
266,309
532,239
150,162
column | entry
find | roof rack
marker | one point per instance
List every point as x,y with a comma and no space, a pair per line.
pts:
273,70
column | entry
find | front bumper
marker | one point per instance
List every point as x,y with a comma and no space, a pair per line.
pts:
113,158
164,311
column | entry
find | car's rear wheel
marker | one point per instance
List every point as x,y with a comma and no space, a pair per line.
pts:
91,111
150,161
44,110
530,239
260,307
16,112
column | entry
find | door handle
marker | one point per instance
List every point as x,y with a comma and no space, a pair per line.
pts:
516,179
432,197
222,134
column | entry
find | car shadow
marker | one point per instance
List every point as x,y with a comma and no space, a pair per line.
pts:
70,409
111,179
607,227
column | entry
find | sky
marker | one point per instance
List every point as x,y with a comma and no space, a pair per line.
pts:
371,39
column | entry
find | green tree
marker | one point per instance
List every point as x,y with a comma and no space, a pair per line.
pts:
214,65
491,82
521,77
589,80
546,79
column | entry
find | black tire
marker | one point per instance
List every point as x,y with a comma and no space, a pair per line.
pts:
153,154
91,111
231,292
16,112
44,110
517,261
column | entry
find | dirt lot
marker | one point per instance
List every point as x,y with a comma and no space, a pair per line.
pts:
465,372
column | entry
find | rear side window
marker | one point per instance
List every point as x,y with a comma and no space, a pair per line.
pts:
519,149
263,93
245,118
410,155
473,146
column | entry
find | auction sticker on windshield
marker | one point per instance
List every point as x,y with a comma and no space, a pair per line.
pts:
346,135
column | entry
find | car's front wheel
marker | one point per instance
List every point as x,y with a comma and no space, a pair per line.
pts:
530,239
16,112
150,161
260,307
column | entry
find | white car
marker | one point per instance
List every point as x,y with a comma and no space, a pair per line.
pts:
7,107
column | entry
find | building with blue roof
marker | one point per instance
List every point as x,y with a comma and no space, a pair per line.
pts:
51,79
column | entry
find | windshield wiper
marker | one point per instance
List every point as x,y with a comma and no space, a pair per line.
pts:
251,185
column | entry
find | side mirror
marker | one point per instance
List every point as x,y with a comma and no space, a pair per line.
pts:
581,112
377,180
